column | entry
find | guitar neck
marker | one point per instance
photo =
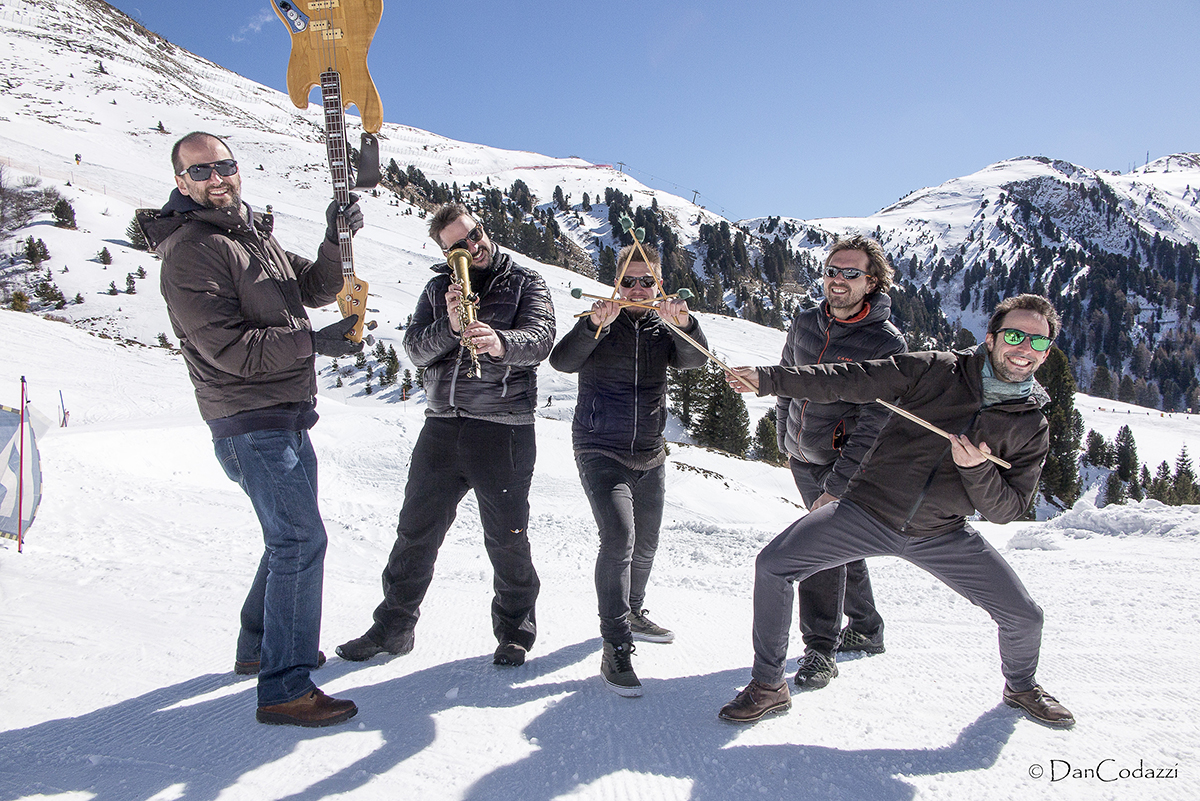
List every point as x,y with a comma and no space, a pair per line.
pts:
339,159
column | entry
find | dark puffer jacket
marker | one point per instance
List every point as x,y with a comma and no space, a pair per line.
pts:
909,480
236,302
515,302
622,402
837,433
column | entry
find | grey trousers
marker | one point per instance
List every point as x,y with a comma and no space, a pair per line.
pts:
841,532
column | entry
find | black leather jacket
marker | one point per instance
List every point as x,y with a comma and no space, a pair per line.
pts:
515,302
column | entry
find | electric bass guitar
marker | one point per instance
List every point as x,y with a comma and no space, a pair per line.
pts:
330,39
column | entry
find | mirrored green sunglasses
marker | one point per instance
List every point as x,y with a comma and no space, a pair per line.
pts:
1015,336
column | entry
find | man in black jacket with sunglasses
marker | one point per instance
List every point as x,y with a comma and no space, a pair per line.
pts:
915,490
826,442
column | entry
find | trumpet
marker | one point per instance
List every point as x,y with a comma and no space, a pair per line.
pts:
460,274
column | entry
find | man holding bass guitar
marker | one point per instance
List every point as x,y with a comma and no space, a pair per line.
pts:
236,302
481,386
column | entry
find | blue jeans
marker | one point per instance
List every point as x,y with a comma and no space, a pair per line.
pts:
628,507
281,617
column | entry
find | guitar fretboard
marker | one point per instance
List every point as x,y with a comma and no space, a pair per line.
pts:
339,159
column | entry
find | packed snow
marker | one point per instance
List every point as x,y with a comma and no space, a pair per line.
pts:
120,617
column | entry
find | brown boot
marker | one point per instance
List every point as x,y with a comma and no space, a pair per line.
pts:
1040,706
312,710
756,701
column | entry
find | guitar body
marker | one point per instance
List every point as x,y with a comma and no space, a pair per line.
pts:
333,35
352,299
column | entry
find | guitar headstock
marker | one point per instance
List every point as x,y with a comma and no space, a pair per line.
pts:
333,34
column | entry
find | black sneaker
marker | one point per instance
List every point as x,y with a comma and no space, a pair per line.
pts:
363,648
616,668
851,640
1040,706
815,671
509,654
643,628
756,701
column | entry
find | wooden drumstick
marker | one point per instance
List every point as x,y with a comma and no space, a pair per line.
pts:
938,431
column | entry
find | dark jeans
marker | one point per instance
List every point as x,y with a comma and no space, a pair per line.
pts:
281,617
826,595
840,532
453,455
628,507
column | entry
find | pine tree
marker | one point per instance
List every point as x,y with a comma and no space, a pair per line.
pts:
1102,383
112,288
1097,452
1162,484
1183,485
606,273
135,236
104,257
684,388
130,284
1060,475
766,445
64,215
1114,490
724,422
1126,455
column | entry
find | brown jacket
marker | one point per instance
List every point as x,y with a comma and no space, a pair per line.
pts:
236,302
908,479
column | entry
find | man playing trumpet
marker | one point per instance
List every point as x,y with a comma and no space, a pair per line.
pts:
619,446
478,435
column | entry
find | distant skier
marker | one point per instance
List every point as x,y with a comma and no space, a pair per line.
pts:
78,158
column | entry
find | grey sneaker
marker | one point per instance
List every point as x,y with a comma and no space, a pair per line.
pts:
643,628
756,701
851,640
815,671
616,668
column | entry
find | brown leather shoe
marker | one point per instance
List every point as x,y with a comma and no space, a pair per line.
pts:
1040,706
249,668
312,710
756,701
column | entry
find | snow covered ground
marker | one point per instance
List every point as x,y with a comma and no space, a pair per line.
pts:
119,623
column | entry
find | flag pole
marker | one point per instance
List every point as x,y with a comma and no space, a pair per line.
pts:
21,473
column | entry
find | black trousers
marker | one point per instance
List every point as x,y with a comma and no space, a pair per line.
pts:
827,595
453,455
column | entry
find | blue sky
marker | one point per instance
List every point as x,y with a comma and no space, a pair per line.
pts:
787,108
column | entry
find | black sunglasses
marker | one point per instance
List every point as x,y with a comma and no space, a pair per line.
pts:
202,172
629,281
849,273
475,234
1015,336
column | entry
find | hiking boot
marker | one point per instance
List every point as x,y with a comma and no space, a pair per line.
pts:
851,640
757,701
250,667
509,654
1040,706
312,710
363,648
616,668
815,671
643,628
